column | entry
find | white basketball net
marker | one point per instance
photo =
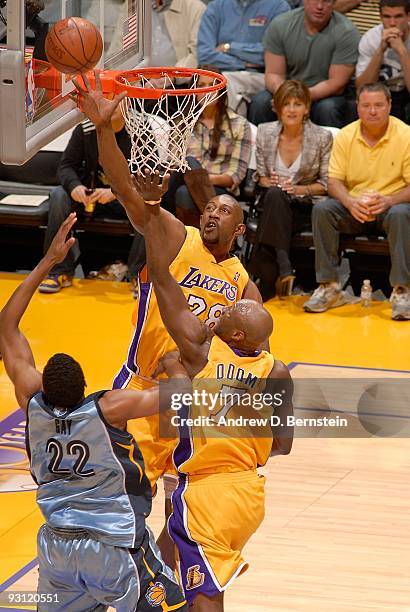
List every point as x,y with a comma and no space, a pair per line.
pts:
161,136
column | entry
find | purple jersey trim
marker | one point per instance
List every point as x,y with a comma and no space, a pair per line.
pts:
145,292
240,353
122,378
184,449
189,552
130,367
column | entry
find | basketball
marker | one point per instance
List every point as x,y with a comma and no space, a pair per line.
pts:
74,45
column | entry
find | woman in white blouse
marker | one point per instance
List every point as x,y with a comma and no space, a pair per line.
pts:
292,163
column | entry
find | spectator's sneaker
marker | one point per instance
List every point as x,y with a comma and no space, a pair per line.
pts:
400,300
54,283
327,295
116,271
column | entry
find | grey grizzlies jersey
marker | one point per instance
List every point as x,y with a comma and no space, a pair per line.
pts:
90,475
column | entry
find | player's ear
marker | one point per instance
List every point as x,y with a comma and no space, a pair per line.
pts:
238,335
240,230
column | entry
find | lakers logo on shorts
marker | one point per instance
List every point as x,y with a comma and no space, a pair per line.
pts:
156,594
194,578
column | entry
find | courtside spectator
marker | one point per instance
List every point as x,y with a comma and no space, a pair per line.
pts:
315,45
369,186
292,156
83,186
230,37
384,54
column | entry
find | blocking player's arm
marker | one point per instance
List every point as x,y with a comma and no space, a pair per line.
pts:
280,384
188,332
99,110
251,292
121,405
17,355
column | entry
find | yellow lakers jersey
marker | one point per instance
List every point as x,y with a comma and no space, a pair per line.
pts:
208,286
217,432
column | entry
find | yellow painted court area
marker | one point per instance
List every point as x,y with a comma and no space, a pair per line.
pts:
336,536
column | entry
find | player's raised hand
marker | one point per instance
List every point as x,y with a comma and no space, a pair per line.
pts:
150,186
92,101
61,245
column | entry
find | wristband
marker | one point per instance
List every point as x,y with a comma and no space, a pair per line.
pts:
152,202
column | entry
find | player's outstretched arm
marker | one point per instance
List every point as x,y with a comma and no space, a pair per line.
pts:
280,382
121,405
17,355
100,110
189,333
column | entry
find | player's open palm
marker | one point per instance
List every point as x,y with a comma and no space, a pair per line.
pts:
98,108
60,246
150,186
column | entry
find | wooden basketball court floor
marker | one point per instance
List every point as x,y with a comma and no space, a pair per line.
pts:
336,536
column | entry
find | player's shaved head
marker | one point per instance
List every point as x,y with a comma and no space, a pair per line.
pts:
246,325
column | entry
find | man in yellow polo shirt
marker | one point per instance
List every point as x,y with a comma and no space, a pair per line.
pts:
369,182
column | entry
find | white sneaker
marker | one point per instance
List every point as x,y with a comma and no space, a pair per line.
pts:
327,295
400,301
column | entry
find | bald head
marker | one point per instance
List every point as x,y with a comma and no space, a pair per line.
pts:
246,325
254,319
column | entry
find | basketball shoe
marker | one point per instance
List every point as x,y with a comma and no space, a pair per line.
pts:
54,283
327,295
400,302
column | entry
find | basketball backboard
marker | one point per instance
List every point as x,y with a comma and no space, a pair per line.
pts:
35,106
